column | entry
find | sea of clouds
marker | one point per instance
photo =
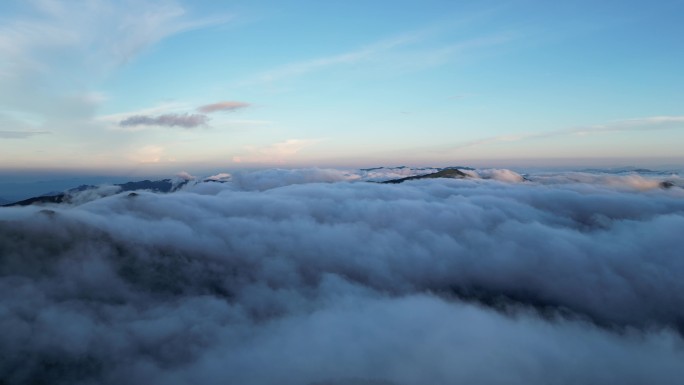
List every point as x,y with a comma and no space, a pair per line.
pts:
318,276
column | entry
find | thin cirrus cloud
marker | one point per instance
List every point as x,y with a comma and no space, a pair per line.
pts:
20,134
402,52
227,106
166,120
365,53
639,124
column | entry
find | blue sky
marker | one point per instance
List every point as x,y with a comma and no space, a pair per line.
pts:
204,85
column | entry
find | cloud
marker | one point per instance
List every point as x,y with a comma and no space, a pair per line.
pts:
150,115
184,175
56,53
20,134
147,154
166,120
639,124
276,152
60,24
426,282
394,53
502,175
222,176
222,106
303,67
113,120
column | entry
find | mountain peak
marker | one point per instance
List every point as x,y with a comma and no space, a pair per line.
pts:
452,173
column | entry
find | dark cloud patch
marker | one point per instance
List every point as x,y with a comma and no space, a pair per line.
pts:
273,277
166,120
20,134
223,106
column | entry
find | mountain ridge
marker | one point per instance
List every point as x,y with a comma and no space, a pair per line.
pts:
169,185
449,172
382,175
159,186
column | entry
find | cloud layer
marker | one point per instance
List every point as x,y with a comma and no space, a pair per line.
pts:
275,277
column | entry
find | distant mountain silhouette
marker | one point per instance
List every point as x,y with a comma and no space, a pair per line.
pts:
160,186
171,185
59,198
452,173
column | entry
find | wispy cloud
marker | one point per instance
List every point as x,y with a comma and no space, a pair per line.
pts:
167,120
638,124
276,152
55,53
303,67
20,134
459,96
112,31
223,106
394,52
146,154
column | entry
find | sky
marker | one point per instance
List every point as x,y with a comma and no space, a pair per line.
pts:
164,86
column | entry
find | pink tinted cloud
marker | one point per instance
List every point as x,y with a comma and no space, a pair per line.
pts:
222,106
